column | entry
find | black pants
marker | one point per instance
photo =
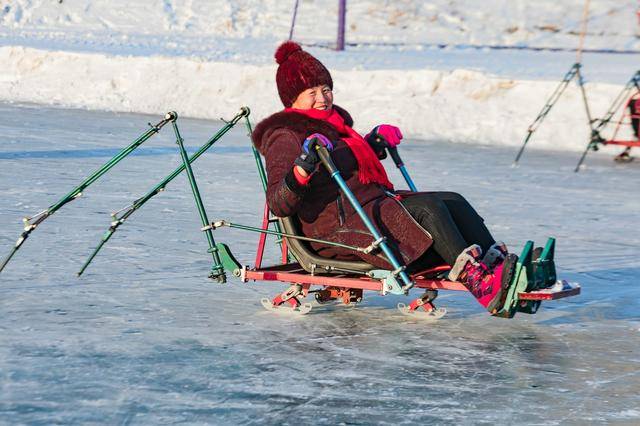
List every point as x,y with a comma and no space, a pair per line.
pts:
451,221
634,110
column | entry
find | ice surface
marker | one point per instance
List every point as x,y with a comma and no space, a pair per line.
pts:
145,338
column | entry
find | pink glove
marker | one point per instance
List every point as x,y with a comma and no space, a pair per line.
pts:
390,134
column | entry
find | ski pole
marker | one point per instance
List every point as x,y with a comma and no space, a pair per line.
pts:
379,239
31,223
129,210
393,151
217,270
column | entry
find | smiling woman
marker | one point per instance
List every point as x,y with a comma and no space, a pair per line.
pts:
424,229
319,97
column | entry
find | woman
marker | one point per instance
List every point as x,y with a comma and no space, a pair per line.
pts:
423,229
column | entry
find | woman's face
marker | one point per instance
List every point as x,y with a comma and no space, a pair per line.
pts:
319,97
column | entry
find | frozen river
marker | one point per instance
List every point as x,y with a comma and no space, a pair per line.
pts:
144,338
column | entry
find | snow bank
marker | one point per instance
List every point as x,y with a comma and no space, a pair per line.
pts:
458,106
206,59
540,23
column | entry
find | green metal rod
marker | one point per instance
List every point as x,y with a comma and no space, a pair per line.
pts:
217,270
256,156
596,138
128,211
263,178
584,98
30,226
220,223
575,68
107,235
619,100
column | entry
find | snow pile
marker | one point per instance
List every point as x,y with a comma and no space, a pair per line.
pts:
543,23
459,106
207,59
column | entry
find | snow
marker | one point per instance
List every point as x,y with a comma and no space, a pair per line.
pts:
203,64
545,23
145,337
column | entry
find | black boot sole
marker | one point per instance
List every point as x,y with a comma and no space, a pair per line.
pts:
508,271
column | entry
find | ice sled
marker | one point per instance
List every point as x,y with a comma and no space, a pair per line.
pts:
345,281
306,272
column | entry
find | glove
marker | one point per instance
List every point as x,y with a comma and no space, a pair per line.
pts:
308,160
383,136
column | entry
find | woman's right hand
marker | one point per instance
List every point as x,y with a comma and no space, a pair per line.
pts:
308,159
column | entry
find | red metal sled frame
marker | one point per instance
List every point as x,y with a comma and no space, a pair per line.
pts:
293,273
625,118
349,287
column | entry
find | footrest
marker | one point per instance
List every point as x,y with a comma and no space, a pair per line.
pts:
559,290
534,281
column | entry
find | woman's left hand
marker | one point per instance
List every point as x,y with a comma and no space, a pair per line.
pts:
385,134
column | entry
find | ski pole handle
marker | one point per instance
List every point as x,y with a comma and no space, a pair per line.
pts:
326,160
393,151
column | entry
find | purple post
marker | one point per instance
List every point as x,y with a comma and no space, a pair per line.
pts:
342,12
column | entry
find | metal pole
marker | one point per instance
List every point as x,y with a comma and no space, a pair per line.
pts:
619,100
221,223
31,223
293,19
584,98
583,31
400,165
547,107
595,138
342,12
379,239
262,173
129,210
217,270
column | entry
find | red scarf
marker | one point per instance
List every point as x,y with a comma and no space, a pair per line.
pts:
370,169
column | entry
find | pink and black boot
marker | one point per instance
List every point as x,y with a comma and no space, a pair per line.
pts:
495,255
488,285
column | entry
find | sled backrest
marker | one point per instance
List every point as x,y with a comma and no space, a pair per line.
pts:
310,260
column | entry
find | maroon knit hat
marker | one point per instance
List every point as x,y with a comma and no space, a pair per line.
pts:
297,71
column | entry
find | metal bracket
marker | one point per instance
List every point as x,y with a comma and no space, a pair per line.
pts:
374,245
388,280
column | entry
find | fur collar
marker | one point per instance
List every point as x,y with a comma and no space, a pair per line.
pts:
297,123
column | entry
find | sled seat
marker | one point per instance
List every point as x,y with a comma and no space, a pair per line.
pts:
313,263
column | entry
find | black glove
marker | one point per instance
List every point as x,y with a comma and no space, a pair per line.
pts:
308,162
377,143
309,158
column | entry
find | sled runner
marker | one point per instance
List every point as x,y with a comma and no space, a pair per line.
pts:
345,281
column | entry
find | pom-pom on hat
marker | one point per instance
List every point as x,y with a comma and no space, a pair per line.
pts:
297,71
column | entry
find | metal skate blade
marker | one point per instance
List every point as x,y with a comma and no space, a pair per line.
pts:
421,314
286,308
